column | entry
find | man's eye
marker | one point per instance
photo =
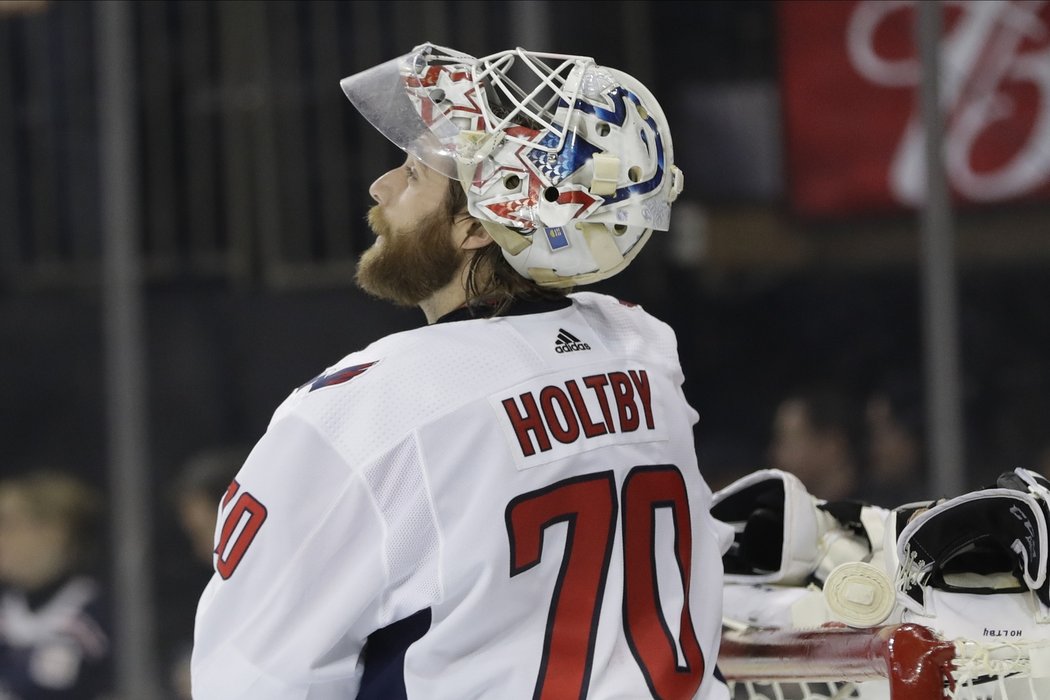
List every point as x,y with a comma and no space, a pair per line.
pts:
411,172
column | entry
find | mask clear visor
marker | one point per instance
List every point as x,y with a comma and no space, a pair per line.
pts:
381,95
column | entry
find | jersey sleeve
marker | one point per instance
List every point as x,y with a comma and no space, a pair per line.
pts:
299,574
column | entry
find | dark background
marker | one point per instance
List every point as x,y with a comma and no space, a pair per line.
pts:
253,185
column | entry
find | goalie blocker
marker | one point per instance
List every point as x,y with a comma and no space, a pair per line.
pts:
784,535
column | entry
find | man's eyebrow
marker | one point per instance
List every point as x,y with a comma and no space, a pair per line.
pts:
425,171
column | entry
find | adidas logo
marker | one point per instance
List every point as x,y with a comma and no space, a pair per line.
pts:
567,342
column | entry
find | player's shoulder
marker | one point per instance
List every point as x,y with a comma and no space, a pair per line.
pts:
379,359
372,401
407,378
626,324
601,301
613,307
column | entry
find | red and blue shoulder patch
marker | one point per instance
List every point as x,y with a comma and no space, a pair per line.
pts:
339,376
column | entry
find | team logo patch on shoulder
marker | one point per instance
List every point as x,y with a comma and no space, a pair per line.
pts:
567,342
340,376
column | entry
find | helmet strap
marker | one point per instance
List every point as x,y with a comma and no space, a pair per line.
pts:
507,239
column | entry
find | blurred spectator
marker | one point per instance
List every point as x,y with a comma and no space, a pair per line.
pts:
54,643
814,438
195,497
895,471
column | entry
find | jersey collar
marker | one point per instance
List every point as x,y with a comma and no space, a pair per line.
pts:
519,307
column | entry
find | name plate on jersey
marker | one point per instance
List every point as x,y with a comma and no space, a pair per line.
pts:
545,420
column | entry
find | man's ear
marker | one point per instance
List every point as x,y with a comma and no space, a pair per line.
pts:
470,233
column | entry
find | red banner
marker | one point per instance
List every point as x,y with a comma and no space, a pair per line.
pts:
853,129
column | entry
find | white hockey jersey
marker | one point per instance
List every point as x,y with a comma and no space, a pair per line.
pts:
487,508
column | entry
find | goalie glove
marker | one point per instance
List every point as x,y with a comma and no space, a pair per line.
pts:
989,541
975,566
784,535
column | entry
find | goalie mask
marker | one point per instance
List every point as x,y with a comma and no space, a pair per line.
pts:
568,165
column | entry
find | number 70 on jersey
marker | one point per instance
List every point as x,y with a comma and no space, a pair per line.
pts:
673,665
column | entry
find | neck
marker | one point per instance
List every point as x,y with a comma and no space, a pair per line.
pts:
448,298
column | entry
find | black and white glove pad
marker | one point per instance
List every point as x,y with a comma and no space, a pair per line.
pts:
784,535
988,541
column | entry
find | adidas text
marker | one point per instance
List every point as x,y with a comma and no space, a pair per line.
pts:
571,347
567,342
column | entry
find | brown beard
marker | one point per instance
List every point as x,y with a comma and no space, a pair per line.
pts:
409,266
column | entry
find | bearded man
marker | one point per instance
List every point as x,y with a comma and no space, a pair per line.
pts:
504,503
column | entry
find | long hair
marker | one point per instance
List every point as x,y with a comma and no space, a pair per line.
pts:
492,284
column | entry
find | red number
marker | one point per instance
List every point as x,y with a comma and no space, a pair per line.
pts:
645,490
589,506
253,513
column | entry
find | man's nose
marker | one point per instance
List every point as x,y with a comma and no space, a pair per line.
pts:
378,188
